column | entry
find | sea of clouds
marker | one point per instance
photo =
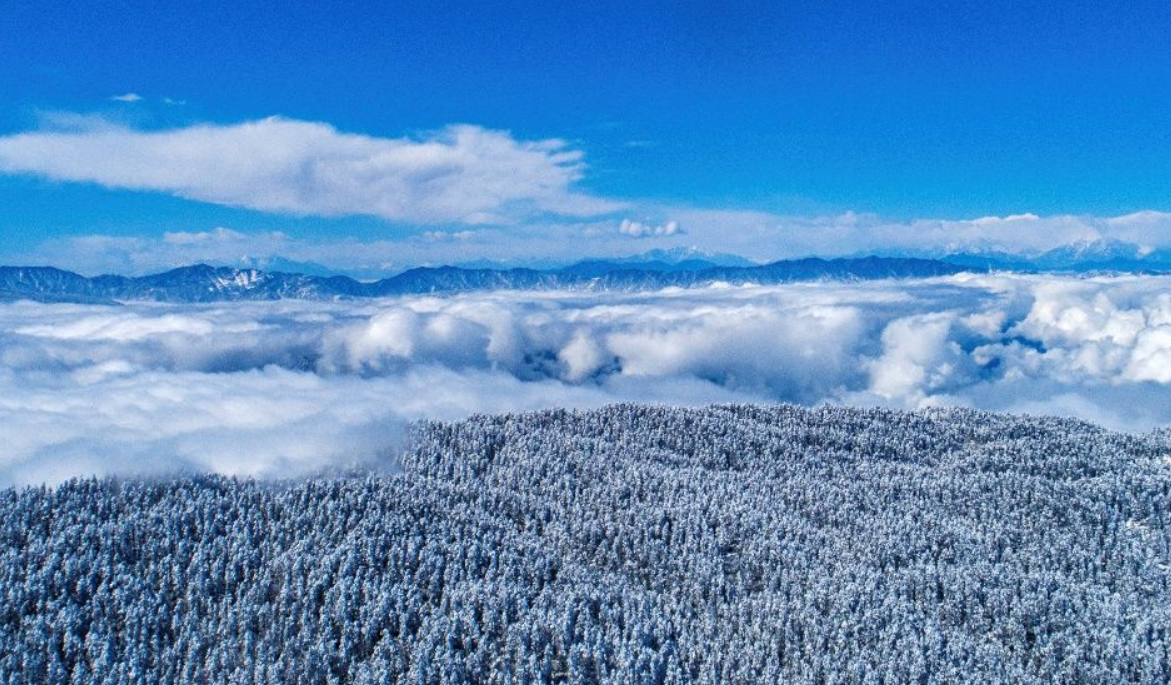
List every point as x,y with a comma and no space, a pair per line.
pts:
286,388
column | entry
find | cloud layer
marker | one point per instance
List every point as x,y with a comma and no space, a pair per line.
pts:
464,174
289,387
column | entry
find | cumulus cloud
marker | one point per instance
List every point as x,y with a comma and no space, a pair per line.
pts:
286,387
637,229
463,174
919,356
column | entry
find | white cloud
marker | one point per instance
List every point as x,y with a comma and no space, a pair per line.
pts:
473,194
1150,359
288,387
217,235
637,229
463,174
126,97
764,235
522,200
446,236
132,255
1010,219
582,356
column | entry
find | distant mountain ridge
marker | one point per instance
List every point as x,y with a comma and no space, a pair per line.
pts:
203,283
1100,256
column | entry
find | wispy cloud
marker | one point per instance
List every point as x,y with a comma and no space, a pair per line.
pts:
126,97
757,233
461,174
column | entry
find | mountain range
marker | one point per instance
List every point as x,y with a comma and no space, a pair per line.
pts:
204,283
1097,256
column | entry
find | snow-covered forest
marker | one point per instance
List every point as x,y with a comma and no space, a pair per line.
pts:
631,544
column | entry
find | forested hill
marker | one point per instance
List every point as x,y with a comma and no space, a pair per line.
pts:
735,544
203,283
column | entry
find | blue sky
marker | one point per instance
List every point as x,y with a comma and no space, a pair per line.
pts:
733,120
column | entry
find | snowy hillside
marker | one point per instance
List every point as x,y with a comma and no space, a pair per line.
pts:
732,544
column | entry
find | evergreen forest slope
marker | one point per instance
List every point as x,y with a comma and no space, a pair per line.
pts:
632,544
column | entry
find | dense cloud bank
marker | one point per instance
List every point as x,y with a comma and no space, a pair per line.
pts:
290,386
736,544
